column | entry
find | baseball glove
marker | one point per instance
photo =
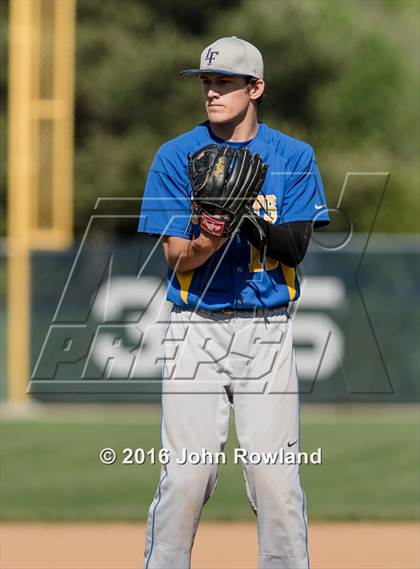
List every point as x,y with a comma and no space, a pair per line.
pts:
225,183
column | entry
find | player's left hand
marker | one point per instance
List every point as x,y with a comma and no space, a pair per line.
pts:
225,183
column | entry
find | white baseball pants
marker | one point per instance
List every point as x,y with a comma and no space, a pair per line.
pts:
215,363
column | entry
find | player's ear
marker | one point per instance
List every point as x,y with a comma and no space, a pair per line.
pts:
256,88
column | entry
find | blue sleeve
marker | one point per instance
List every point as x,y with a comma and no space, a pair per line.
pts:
166,205
304,198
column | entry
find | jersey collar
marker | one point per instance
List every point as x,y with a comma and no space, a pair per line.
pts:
246,143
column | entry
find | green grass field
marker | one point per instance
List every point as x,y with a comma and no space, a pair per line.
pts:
50,468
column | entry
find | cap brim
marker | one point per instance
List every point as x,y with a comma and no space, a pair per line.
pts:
195,72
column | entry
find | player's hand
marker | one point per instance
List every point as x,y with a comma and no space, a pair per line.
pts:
226,180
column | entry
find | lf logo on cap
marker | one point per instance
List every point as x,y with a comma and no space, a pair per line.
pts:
210,55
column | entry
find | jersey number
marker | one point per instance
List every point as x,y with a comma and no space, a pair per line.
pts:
268,205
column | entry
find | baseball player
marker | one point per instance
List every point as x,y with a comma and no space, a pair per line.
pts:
232,275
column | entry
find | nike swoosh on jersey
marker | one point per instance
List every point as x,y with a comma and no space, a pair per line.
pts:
319,206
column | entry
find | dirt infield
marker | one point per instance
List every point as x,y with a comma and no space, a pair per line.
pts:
218,546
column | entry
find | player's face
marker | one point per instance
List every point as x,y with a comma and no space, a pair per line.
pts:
226,97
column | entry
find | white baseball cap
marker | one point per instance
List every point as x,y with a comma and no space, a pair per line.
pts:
230,56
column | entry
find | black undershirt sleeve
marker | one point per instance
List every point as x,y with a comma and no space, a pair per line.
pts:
286,242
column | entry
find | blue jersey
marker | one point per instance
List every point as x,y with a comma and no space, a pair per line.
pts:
237,275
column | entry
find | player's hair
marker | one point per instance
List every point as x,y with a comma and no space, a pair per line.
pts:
251,82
